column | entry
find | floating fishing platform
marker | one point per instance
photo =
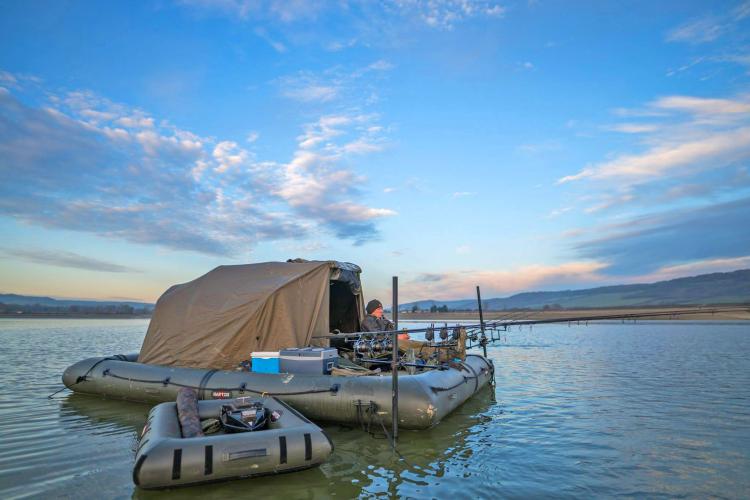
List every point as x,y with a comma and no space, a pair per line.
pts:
424,398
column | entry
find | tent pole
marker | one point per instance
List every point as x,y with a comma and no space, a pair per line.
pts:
483,340
394,362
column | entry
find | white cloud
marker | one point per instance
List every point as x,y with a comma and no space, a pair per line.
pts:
716,149
229,155
132,121
62,258
741,11
380,65
698,31
315,184
633,128
311,93
462,194
338,45
252,137
445,14
714,133
288,11
361,146
335,84
275,44
81,162
558,212
699,105
610,201
540,147
439,14
710,28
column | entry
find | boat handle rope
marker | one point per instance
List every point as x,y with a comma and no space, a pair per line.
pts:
444,389
490,366
476,375
84,377
167,381
466,379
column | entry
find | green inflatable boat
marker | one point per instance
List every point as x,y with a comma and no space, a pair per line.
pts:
424,398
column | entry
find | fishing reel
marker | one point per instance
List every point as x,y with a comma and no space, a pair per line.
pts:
362,347
429,334
456,333
387,344
368,347
376,346
444,334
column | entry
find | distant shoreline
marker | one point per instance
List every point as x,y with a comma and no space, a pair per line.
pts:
472,315
73,316
574,313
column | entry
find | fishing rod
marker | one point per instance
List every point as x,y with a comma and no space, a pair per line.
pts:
504,323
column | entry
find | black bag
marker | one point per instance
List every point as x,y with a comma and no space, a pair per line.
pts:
246,419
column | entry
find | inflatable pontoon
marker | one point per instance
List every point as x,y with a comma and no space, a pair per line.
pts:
424,398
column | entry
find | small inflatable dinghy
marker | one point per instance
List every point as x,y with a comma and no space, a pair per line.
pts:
278,439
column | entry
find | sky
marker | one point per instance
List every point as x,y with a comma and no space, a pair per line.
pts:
520,145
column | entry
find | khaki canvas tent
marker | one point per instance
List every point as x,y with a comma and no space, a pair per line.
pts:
217,320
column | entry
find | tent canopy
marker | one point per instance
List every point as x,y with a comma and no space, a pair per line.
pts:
217,320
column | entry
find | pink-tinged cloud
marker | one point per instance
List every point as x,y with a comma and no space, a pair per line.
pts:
694,268
461,284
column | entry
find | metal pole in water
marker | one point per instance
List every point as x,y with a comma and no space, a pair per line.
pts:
394,362
481,322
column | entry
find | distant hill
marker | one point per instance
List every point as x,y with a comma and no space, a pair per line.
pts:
715,288
29,300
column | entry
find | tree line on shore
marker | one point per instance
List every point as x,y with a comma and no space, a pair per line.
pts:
444,308
74,310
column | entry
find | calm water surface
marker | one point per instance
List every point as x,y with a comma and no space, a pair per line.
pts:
646,410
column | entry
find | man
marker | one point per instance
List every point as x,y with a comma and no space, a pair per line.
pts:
376,322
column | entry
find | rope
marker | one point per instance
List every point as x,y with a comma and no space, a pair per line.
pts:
83,378
56,392
443,389
167,382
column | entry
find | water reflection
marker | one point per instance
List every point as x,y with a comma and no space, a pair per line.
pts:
81,412
604,410
361,463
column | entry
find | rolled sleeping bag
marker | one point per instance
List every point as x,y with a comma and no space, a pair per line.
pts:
187,412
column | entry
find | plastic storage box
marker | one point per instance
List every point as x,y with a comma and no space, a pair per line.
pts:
265,362
309,360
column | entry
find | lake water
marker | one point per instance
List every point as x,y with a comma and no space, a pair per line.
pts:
646,410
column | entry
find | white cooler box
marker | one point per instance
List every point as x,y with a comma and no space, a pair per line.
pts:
308,360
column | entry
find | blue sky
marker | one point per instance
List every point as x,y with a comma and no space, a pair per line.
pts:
513,145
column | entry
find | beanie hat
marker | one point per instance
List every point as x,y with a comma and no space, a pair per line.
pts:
372,305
